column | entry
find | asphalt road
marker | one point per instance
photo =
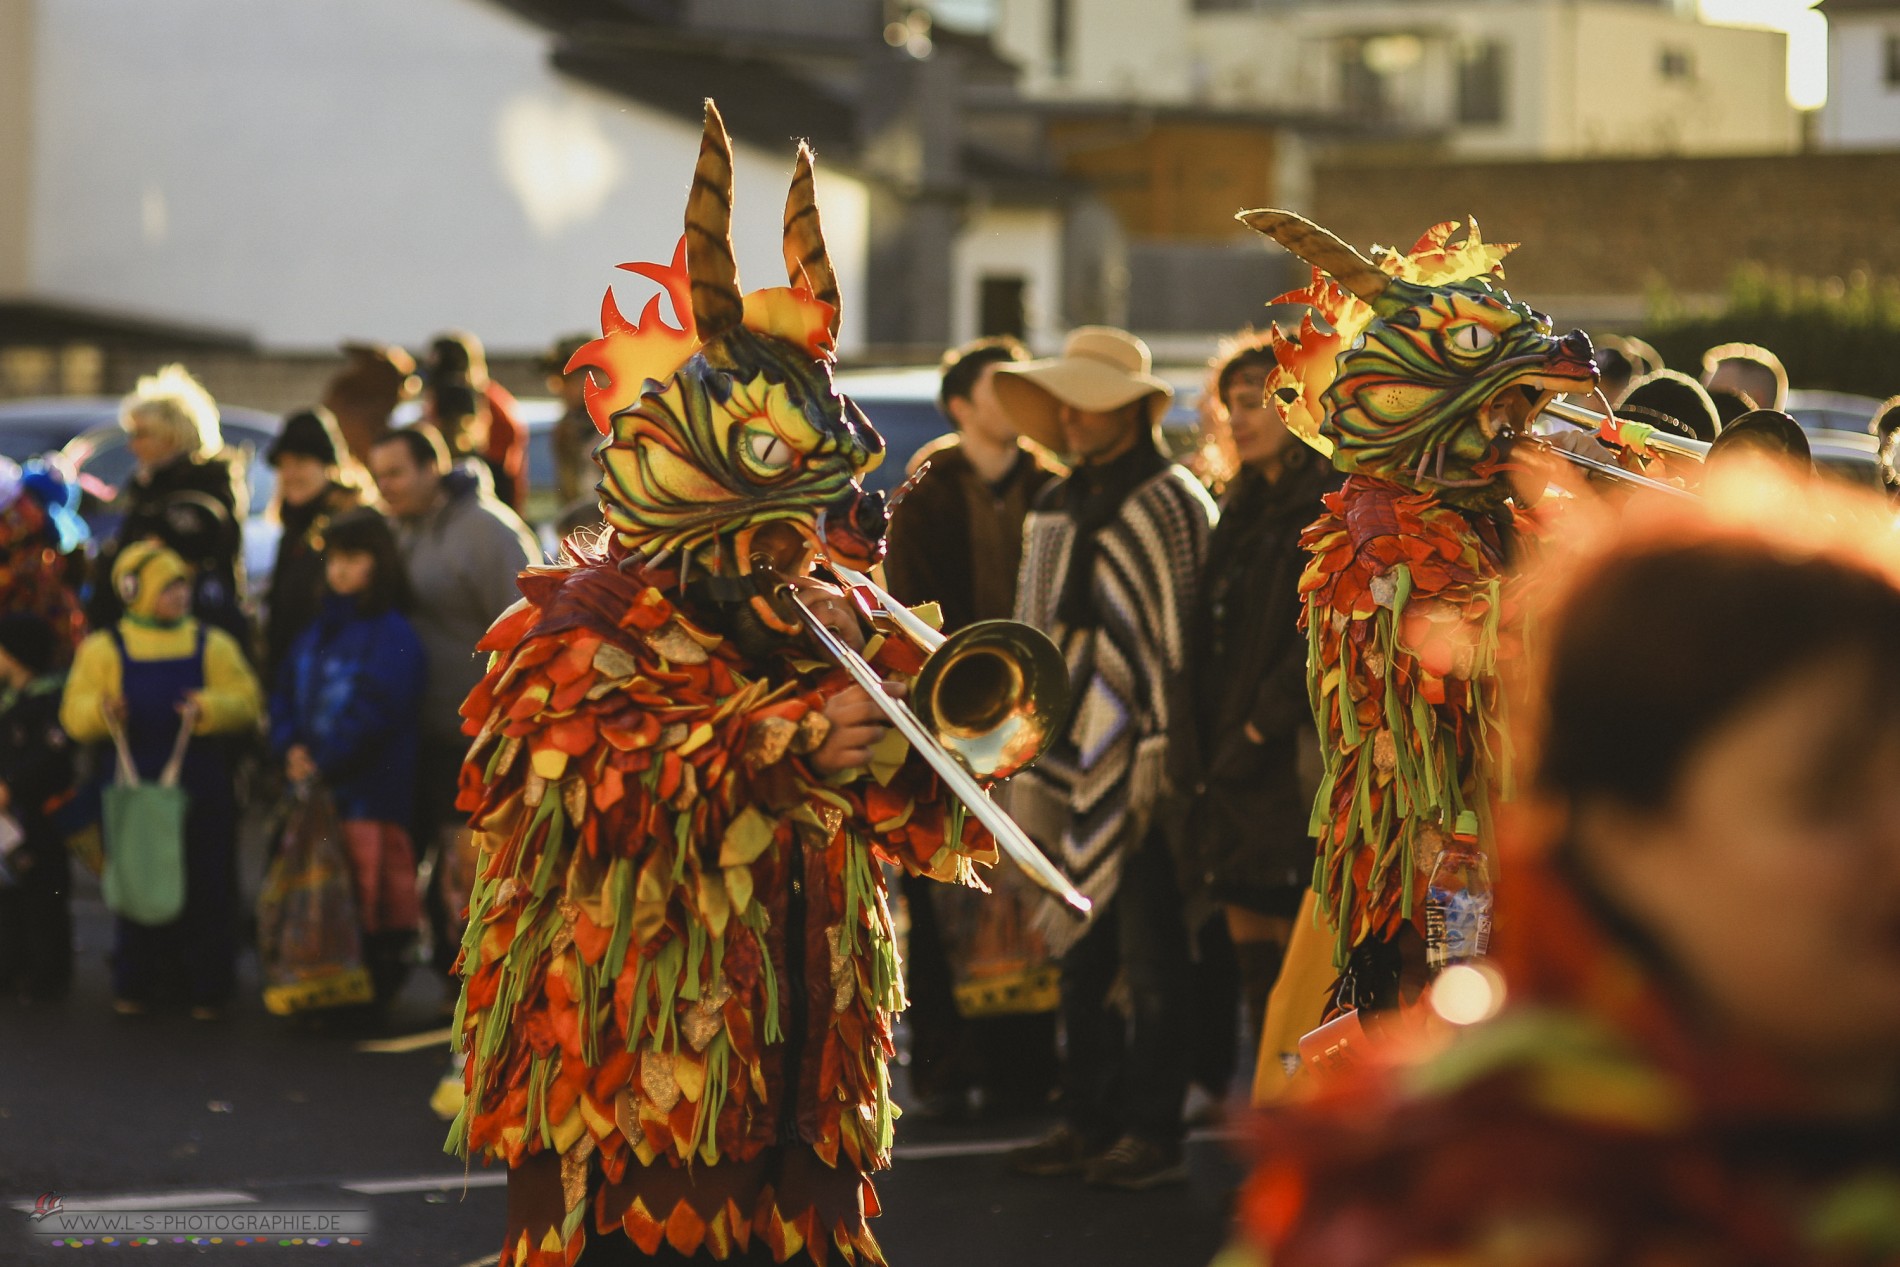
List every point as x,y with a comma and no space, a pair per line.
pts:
249,1110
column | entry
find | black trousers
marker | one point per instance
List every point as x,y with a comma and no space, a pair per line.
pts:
936,1029
438,766
36,925
1127,1073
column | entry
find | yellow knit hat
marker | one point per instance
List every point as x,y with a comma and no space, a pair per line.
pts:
141,573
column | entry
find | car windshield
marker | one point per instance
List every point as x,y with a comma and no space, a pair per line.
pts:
23,440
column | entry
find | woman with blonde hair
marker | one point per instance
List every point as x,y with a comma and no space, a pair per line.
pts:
184,491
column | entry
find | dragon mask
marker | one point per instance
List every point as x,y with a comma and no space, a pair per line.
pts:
728,445
1426,370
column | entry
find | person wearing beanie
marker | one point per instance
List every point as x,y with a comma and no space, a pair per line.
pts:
153,671
315,484
1673,396
36,784
345,710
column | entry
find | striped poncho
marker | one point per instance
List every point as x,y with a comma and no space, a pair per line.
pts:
1093,792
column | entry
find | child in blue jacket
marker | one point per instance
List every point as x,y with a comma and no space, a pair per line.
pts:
344,712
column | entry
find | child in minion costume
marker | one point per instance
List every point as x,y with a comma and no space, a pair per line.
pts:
155,670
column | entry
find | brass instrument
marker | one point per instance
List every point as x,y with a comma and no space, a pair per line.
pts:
1590,420
989,700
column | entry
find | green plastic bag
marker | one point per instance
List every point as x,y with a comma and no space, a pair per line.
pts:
144,829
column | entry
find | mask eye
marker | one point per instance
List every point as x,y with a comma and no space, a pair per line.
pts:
769,451
1473,338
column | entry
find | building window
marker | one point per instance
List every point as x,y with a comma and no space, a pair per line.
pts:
1361,88
1000,307
1481,84
1677,63
1059,31
1893,61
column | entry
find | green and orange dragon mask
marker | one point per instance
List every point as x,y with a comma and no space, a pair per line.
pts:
728,447
1420,369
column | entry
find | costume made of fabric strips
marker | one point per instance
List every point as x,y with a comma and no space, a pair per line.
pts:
1425,374
680,969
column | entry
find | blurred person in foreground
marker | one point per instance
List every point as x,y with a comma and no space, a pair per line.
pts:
153,672
456,359
1697,1058
309,456
36,785
1246,756
1747,370
375,378
461,549
186,491
956,539
343,713
1111,557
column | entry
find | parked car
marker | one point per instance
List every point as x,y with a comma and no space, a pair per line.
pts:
1832,411
1851,455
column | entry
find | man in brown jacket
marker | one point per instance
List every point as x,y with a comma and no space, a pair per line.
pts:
956,539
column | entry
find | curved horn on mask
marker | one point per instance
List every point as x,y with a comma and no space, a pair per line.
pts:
1322,250
807,262
717,303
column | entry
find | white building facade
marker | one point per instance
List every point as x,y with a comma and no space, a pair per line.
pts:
1863,75
1504,78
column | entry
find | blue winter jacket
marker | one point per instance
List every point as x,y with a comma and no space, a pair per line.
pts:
350,691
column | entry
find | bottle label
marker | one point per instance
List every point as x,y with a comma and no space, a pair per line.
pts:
1457,926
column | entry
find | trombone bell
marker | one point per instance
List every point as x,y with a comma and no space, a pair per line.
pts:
994,695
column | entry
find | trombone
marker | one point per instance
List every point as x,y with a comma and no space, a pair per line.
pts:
989,700
1590,420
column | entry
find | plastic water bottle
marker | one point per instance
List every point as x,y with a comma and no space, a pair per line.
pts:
1457,904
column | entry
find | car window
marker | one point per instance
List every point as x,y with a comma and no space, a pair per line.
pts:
23,440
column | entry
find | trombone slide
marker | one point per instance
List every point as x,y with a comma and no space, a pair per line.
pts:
1009,837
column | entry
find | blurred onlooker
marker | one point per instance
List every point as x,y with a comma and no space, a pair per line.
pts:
956,539
1675,396
1698,1053
1643,359
1753,371
186,492
375,378
1246,756
1763,434
344,712
574,435
1614,375
462,550
309,456
1730,404
456,358
36,781
462,417
153,672
1111,557
42,547
1885,426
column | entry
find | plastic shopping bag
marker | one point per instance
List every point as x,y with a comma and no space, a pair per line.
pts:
308,939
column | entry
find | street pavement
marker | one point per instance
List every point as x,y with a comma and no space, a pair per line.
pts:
251,1110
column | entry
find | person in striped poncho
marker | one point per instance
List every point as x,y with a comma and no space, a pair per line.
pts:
1110,560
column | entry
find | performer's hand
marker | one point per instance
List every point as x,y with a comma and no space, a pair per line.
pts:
857,724
113,706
